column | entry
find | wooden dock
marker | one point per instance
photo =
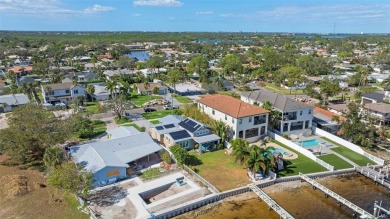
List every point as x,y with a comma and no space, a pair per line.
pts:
340,199
270,202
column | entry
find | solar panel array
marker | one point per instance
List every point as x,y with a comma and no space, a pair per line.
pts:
169,126
189,125
159,127
180,135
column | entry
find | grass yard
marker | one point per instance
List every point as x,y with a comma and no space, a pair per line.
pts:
351,155
220,169
157,114
92,108
302,164
99,127
141,129
139,100
39,202
121,121
182,99
335,161
154,121
280,90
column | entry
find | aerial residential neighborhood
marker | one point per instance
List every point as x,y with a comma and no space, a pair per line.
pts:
175,109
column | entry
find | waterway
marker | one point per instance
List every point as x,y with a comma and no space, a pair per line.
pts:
302,201
140,55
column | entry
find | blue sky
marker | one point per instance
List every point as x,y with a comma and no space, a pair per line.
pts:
319,16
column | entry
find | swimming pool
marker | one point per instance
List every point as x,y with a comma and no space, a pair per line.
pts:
308,143
280,150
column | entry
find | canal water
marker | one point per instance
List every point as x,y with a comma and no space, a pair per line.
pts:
140,55
302,201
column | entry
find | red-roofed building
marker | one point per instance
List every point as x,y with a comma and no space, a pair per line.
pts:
22,70
105,56
245,120
2,83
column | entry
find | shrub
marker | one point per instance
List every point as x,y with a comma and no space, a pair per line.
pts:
166,157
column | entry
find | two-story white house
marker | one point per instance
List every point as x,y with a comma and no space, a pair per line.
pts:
246,121
296,117
378,112
61,92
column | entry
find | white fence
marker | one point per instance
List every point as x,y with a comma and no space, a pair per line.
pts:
347,144
300,150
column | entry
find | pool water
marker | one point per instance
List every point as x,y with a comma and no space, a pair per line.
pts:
308,143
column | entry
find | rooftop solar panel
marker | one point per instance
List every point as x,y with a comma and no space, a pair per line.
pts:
180,135
159,127
169,126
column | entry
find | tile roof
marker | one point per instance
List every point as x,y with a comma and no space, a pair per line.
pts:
18,69
231,106
327,113
278,101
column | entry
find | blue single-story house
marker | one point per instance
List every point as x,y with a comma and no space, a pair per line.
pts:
114,159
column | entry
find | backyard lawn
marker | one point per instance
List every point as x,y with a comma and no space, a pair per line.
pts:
139,100
220,169
154,121
335,161
351,155
302,164
280,90
182,99
151,173
157,114
141,129
92,107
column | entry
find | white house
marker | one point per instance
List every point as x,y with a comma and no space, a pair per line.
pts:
296,116
61,92
246,121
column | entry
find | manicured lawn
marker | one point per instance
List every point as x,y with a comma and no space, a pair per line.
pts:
139,100
351,155
220,169
302,164
151,173
335,161
123,120
154,121
280,90
157,114
99,127
182,99
92,107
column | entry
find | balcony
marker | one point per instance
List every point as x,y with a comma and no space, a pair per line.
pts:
289,117
259,121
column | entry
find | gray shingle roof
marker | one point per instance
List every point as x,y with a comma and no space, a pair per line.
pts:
122,131
114,152
278,101
375,96
17,99
59,86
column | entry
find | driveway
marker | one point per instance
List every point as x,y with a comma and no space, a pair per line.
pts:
169,98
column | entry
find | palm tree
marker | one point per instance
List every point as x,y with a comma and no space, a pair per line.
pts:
111,87
147,85
240,149
220,129
53,156
256,161
274,116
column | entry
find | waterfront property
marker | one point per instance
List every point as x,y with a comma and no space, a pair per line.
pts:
245,120
117,158
296,116
11,101
185,132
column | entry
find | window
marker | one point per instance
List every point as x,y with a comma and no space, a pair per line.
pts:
309,111
76,91
225,117
67,91
259,120
300,113
213,112
250,119
241,134
233,120
240,121
251,133
262,130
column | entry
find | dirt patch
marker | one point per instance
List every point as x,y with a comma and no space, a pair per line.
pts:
25,194
14,185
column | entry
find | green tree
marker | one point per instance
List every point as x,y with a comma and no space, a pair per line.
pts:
231,64
274,117
221,129
53,157
84,127
240,149
166,157
90,89
198,64
181,155
256,160
329,89
72,178
31,130
119,104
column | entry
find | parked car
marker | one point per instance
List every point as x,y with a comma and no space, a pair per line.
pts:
168,107
149,109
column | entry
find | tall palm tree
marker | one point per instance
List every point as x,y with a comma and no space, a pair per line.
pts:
256,161
147,85
240,149
112,87
220,129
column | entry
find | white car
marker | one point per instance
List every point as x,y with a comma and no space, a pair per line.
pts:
168,107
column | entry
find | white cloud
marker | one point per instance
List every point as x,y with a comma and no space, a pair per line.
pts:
46,7
165,3
97,9
136,15
204,12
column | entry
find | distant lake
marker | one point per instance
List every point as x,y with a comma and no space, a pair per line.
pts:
216,41
322,36
140,55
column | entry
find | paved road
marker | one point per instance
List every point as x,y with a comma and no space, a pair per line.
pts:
169,98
